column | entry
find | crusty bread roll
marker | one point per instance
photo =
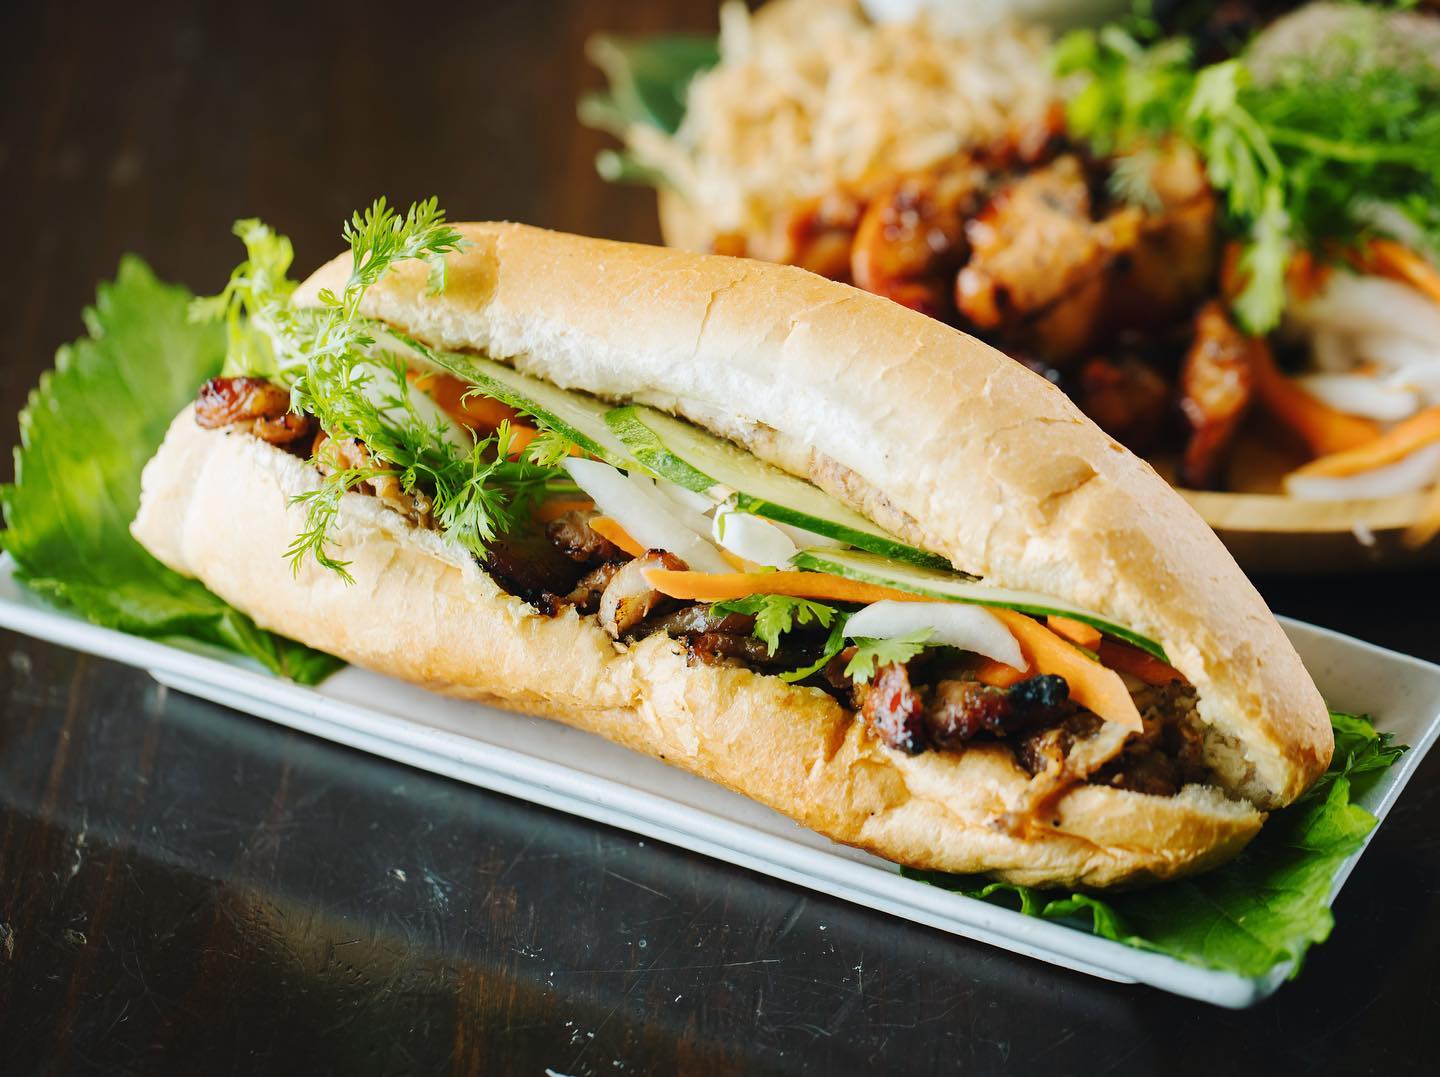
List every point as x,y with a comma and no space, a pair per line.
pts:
931,433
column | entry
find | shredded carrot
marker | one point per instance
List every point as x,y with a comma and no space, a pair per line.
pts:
610,529
1232,283
719,586
557,507
1091,685
996,674
1323,429
1395,444
482,413
737,563
1087,636
1398,262
1132,660
520,437
1305,276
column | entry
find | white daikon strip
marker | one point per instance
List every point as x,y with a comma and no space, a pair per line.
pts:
1332,352
1420,377
1390,350
1355,304
753,539
952,624
697,503
1406,476
687,516
1360,394
644,514
1395,222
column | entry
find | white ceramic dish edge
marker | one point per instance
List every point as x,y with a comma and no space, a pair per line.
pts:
542,762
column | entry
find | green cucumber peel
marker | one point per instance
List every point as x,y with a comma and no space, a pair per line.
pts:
956,587
658,441
644,444
584,425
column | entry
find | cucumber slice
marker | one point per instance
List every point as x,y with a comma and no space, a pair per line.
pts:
857,565
578,416
700,461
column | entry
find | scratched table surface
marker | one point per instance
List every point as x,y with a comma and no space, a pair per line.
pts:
188,890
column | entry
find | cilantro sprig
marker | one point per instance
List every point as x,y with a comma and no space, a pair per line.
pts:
777,614
871,654
327,356
1299,157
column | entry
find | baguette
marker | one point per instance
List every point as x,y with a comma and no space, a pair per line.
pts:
932,434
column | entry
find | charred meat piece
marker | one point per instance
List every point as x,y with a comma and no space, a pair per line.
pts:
528,565
834,673
730,648
1043,750
289,430
227,401
1169,754
911,239
961,710
1175,260
696,620
260,406
334,454
893,709
1028,143
1039,265
572,535
1215,390
1127,398
628,599
819,234
585,596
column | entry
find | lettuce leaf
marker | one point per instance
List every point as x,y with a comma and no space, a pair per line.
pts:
1265,908
85,435
648,78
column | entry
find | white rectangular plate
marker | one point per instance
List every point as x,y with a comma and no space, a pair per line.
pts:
563,768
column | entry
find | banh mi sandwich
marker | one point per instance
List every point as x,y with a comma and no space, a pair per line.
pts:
1221,244
786,535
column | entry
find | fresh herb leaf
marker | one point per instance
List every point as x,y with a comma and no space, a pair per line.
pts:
322,505
85,436
1297,155
261,278
648,79
648,82
1265,908
549,448
872,653
834,644
777,614
328,358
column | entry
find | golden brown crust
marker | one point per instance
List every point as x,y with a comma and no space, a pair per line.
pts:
217,506
930,432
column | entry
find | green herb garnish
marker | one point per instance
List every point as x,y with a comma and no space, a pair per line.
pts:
85,437
1265,908
777,614
1300,157
870,654
327,356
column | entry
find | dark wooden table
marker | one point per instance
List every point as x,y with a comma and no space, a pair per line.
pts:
188,890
